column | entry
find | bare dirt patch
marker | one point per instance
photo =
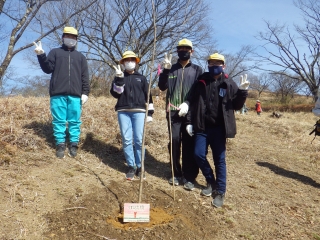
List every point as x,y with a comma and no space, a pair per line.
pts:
273,189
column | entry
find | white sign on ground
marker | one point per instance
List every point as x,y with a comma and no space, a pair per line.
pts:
136,212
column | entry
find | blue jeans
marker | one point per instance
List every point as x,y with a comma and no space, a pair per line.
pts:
66,109
216,138
131,128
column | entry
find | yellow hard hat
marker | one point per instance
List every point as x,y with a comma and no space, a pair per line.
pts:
70,30
129,54
185,43
217,56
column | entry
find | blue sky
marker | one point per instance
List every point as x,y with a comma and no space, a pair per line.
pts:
236,23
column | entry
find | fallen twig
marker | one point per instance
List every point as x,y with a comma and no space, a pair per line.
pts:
75,208
101,236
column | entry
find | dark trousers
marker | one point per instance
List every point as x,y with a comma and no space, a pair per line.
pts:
216,138
180,138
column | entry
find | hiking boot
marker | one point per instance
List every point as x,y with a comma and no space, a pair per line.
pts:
61,147
207,191
130,174
218,199
175,180
188,185
73,150
138,173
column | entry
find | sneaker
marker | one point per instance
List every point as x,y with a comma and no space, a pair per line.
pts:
207,191
61,147
130,174
218,199
188,185
138,173
176,181
73,150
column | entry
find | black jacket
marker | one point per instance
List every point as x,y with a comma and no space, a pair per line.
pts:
233,99
135,92
69,72
178,81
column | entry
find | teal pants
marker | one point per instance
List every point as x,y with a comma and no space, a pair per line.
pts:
66,109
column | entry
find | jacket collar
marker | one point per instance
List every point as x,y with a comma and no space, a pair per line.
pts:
134,73
64,47
189,63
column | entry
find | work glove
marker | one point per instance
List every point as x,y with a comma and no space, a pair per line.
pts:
118,89
38,48
84,99
189,129
167,61
183,109
244,84
316,110
150,108
119,72
149,119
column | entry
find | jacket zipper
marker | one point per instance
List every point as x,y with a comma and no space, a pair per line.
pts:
131,92
69,74
182,78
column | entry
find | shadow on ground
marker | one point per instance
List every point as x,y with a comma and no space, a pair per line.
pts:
114,157
289,174
43,130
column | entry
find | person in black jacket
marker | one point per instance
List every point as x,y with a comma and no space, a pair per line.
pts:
131,90
69,89
211,120
178,80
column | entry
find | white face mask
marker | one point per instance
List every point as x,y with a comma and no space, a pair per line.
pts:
70,43
130,65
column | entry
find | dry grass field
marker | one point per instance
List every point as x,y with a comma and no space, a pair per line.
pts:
273,188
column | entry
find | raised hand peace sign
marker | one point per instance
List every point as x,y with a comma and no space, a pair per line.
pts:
167,61
244,84
38,48
119,72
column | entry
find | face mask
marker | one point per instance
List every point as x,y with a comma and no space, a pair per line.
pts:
70,43
130,65
215,70
184,55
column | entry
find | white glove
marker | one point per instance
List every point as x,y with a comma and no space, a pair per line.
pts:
167,61
84,98
149,119
38,48
183,109
244,84
119,73
118,89
150,107
189,129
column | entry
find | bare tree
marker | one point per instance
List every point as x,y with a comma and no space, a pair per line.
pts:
32,86
101,78
237,63
114,26
21,17
306,91
285,86
290,55
260,83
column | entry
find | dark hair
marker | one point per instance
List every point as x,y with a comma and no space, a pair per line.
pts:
69,34
190,48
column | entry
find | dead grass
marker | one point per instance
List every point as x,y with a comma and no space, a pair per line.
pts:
272,193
